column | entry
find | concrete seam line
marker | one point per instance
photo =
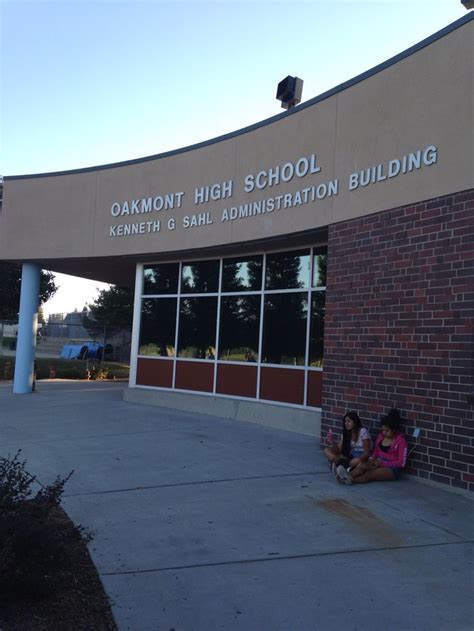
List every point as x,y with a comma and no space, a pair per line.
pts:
426,521
450,532
203,482
286,558
75,439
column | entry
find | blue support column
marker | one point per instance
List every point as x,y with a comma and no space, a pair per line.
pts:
27,326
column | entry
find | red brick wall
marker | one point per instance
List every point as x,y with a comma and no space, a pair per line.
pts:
398,330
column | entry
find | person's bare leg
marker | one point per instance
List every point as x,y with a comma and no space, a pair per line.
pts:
361,469
331,454
380,474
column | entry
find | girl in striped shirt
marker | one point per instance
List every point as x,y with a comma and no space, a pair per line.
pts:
355,444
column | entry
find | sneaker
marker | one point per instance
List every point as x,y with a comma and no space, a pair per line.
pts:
348,480
343,474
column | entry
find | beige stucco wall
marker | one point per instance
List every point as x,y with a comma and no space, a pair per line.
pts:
424,99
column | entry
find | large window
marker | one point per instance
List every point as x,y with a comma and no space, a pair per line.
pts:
239,328
317,329
288,270
158,327
242,274
161,279
246,313
319,267
199,277
197,328
284,329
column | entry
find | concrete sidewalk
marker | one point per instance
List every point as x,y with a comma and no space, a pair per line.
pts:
204,524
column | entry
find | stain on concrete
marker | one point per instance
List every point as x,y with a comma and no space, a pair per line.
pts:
373,527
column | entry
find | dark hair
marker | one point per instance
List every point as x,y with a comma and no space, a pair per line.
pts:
392,420
347,433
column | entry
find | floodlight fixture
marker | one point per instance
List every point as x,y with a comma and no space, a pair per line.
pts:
289,92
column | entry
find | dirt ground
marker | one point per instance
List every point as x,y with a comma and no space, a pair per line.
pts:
74,601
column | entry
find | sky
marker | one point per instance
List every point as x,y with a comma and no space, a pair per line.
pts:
85,83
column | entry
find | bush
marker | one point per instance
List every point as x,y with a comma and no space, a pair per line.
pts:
15,482
65,369
7,370
34,552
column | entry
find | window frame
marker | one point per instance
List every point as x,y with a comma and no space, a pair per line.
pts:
219,294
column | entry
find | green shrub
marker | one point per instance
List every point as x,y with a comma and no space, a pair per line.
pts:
7,370
34,552
15,482
66,369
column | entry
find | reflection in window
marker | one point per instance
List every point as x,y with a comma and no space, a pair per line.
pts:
317,329
242,274
200,277
239,328
161,279
158,327
290,296
288,270
197,328
319,267
284,329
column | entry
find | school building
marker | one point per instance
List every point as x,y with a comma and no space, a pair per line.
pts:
314,262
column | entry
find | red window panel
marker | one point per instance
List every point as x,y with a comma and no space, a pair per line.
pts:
155,372
315,389
282,384
195,376
239,381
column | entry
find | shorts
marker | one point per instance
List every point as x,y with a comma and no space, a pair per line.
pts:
396,472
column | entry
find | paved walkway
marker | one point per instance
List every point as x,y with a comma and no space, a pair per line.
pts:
203,524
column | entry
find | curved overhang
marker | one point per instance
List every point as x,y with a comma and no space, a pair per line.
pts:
398,134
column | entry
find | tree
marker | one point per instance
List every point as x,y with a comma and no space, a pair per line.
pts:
10,285
111,310
41,319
